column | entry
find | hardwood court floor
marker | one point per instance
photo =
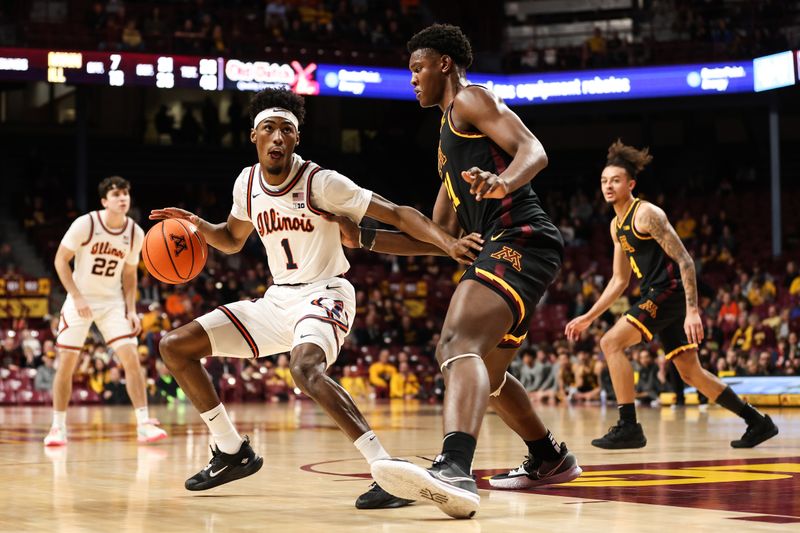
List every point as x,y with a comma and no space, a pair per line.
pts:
687,476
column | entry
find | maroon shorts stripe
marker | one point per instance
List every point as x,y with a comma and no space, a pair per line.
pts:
332,321
242,330
68,347
128,336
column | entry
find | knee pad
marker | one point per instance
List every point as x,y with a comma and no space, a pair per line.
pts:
496,393
455,358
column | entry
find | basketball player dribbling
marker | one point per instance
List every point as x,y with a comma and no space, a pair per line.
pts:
487,159
101,289
646,244
310,307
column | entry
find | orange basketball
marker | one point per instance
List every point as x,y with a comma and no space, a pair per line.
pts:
174,251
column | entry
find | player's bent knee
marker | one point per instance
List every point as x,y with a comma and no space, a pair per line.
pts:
171,349
307,367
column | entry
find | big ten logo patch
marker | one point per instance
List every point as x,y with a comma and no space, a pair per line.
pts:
299,200
180,243
626,247
649,307
510,255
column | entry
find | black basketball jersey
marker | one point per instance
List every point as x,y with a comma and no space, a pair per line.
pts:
650,264
460,151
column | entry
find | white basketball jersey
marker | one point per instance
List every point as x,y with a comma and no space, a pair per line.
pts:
302,247
100,254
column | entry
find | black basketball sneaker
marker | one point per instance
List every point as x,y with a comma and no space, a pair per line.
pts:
377,498
224,468
443,484
537,472
757,433
622,436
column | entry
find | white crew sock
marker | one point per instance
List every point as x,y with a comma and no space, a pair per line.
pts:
60,419
225,435
142,415
370,447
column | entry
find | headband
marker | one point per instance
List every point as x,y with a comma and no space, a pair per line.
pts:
276,112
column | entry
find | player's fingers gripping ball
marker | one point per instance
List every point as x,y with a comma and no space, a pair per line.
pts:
174,251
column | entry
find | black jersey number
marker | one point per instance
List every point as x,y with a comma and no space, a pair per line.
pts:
448,184
105,268
290,264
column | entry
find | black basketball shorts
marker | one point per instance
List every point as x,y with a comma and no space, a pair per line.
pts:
662,312
519,269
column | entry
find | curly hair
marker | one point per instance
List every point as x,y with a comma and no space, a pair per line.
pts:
277,98
445,39
628,157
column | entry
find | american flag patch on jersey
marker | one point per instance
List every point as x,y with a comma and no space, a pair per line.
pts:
299,200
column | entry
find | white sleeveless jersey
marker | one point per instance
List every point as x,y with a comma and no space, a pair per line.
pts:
100,254
302,247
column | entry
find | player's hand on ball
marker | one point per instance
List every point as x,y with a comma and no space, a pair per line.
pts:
348,229
466,249
82,306
175,212
576,326
135,321
485,184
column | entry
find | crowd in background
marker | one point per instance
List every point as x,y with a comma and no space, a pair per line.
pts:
667,31
750,306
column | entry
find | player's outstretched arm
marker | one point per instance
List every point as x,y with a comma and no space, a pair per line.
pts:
489,115
397,243
61,263
652,219
620,278
228,237
415,224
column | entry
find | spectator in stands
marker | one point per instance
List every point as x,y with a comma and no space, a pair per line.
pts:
187,39
283,372
729,312
355,385
167,389
404,383
566,378
686,226
648,387
31,348
131,37
114,392
380,374
155,28
594,50
11,356
587,378
178,305
154,325
45,374
98,375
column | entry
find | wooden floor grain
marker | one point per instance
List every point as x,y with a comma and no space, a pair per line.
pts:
686,477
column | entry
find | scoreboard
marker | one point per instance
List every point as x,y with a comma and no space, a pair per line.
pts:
112,69
120,69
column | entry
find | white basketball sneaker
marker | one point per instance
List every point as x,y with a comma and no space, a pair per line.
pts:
148,432
56,437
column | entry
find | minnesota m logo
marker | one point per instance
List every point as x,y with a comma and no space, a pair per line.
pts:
180,243
512,256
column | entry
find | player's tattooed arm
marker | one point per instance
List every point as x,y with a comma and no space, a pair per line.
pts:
652,219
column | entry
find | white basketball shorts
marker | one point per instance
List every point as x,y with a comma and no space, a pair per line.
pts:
108,316
320,313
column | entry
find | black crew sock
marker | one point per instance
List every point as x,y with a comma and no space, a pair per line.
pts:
459,448
545,448
627,412
731,401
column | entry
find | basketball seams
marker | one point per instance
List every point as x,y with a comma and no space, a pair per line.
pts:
155,272
169,254
189,238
